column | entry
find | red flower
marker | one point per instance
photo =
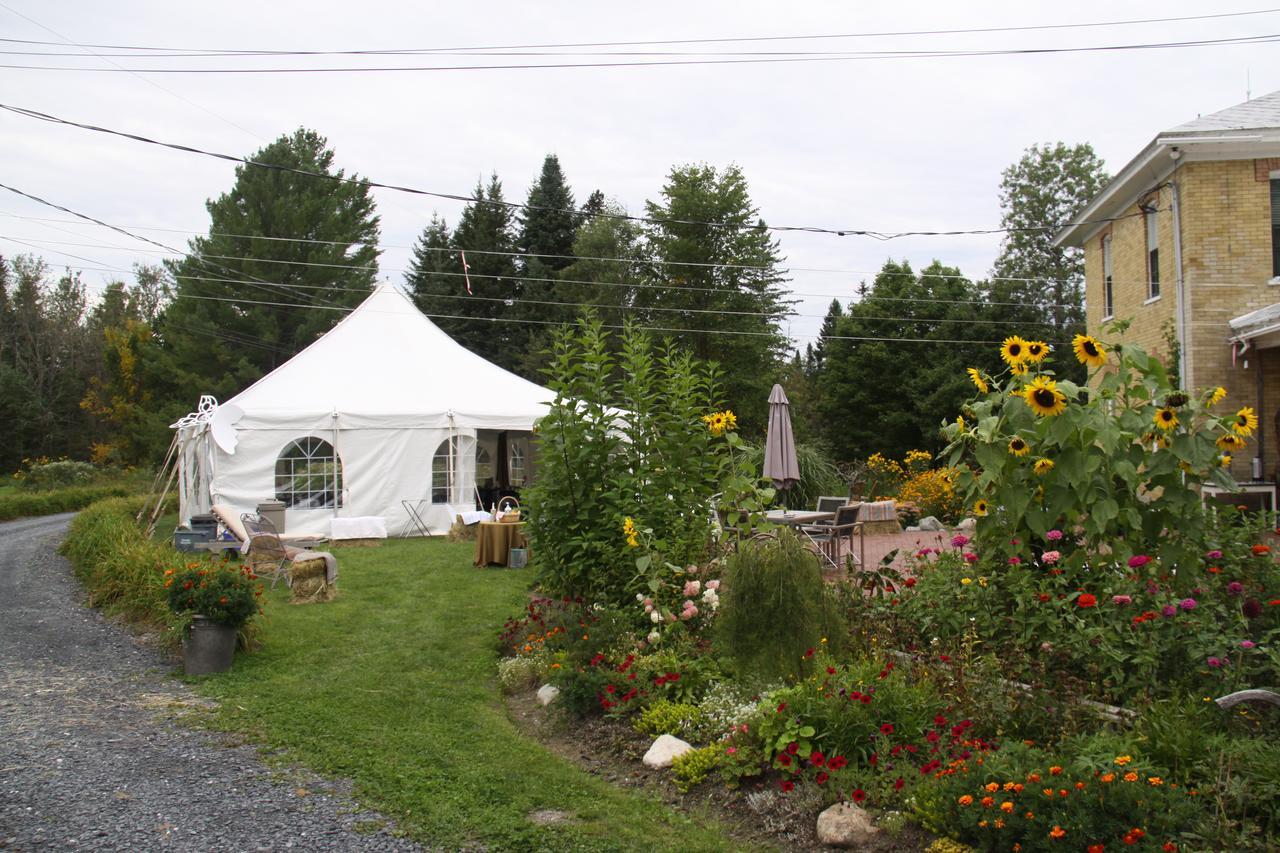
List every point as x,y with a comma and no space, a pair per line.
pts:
1169,847
788,785
1088,599
831,670
1261,549
782,707
909,582
784,759
821,778
610,689
817,758
939,720
886,729
793,748
897,786
859,796
808,653
1043,597
837,762
866,697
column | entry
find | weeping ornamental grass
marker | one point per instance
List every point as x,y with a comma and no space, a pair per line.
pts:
774,607
818,476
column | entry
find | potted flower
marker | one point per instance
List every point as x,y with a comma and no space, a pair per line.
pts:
220,599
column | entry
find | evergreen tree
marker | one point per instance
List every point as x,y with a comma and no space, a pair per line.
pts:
816,354
434,278
594,206
489,319
548,225
718,285
264,235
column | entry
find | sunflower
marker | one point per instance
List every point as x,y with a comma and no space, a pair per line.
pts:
1245,423
1018,447
1089,351
1036,351
1226,460
1019,368
1044,398
980,508
1229,441
1217,395
1043,466
976,378
960,423
1166,418
1013,350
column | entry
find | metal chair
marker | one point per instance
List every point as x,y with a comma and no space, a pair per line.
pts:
267,553
842,528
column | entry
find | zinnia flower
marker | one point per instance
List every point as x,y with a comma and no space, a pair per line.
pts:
1089,351
1019,447
1050,557
1252,608
1044,398
1214,662
1087,599
1166,418
959,540
1138,561
1043,466
1121,600
1245,422
1247,644
1013,350
1053,535
975,376
1169,611
1187,604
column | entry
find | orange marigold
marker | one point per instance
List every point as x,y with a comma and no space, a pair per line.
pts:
1057,832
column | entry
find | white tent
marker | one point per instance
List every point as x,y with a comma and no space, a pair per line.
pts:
385,415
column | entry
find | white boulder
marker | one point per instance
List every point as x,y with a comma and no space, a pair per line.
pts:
665,750
845,825
547,694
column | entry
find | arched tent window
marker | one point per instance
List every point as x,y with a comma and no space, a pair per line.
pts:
442,471
309,475
484,467
516,471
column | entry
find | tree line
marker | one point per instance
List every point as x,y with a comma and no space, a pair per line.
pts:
293,245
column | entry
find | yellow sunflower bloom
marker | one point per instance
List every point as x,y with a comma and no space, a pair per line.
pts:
1225,461
1217,395
960,423
1089,351
1246,422
1044,398
1229,442
980,508
976,377
730,420
1043,466
1013,350
1020,368
1018,447
1036,351
1166,418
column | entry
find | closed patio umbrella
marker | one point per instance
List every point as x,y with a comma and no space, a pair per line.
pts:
780,463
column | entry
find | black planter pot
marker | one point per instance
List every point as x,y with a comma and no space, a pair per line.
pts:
208,647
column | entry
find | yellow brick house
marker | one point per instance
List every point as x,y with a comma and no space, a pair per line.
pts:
1185,243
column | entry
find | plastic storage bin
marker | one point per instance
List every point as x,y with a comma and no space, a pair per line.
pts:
273,511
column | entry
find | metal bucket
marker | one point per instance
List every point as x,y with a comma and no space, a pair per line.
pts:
208,647
518,558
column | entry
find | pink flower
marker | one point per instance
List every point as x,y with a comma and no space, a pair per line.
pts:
1053,535
959,540
689,612
1121,600
1214,662
1235,588
1138,561
1015,561
1215,554
1015,542
692,588
731,750
1050,557
713,584
1169,610
970,557
1187,604
1247,644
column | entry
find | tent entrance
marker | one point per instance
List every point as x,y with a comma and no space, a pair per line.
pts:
503,464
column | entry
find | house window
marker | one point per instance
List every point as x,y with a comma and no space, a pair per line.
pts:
1108,296
1153,255
309,475
1275,227
442,471
516,471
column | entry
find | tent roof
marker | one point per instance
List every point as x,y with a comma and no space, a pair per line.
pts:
386,364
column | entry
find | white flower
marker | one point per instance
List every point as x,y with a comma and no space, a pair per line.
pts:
655,617
639,596
654,637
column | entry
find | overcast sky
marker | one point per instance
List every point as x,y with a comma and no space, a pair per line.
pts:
879,144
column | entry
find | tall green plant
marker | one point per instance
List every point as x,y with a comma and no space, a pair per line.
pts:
818,476
1116,464
624,440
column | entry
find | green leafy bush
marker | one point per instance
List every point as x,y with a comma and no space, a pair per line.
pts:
30,504
774,607
666,717
224,594
61,474
695,766
624,439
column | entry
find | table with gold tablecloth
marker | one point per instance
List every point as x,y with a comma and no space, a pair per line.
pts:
495,539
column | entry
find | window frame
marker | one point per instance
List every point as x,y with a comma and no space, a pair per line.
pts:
1152,236
450,446
1274,187
516,461
310,452
1108,291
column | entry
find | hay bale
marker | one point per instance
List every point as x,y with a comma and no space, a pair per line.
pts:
461,532
356,543
877,528
312,590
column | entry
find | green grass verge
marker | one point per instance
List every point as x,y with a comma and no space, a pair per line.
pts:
18,503
392,685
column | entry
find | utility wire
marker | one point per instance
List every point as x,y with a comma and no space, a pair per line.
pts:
722,40
864,56
760,226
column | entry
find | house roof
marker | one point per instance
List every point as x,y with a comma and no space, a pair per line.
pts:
1241,132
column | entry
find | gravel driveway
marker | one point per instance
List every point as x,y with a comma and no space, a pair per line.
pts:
90,757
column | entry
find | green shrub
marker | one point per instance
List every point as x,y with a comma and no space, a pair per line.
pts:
818,476
64,473
774,607
29,504
520,673
669,718
226,595
695,765
624,440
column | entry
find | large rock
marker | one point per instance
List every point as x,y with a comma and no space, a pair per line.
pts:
665,750
930,523
547,694
845,825
968,524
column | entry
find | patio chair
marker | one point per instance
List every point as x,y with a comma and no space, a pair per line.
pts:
838,536
267,553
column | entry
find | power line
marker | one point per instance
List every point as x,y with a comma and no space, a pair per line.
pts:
864,56
722,40
760,226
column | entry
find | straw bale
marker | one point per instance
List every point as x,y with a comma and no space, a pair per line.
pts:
878,528
356,543
313,589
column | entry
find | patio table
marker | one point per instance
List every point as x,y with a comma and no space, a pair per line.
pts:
801,521
495,539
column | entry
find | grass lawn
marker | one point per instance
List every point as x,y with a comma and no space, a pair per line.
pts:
393,685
